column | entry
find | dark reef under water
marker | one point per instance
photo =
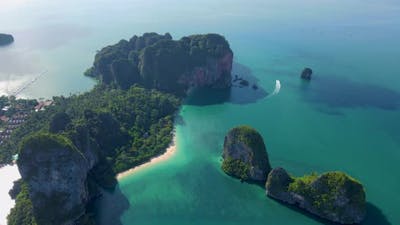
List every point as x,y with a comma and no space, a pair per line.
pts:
332,93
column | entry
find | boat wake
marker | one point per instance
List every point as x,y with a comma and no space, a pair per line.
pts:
277,88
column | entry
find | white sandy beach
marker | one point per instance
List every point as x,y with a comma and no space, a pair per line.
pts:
8,174
171,150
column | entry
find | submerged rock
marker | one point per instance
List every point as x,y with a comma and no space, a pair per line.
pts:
306,74
333,195
244,83
245,155
6,39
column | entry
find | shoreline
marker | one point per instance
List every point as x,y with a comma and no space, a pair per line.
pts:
8,174
170,151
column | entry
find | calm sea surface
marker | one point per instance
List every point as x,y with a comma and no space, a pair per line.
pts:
347,118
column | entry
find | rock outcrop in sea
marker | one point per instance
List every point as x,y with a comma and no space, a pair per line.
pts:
6,39
157,61
306,74
333,195
245,155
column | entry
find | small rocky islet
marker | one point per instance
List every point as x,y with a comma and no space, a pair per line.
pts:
334,196
245,155
306,74
6,39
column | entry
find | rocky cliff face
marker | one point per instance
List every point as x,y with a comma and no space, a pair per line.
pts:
245,155
216,73
157,61
333,195
56,173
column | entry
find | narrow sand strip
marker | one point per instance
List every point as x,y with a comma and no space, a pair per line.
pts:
157,159
8,174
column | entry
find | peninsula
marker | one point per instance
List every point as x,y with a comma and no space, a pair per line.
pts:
80,143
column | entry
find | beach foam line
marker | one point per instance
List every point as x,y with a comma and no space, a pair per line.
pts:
171,150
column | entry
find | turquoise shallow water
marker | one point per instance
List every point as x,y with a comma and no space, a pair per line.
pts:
347,118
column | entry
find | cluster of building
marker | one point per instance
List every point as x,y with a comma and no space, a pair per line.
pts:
11,124
10,121
42,105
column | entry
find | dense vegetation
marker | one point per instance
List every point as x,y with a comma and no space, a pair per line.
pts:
15,105
22,213
156,61
130,126
236,168
6,39
322,190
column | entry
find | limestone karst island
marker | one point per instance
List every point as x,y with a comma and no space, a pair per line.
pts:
130,112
